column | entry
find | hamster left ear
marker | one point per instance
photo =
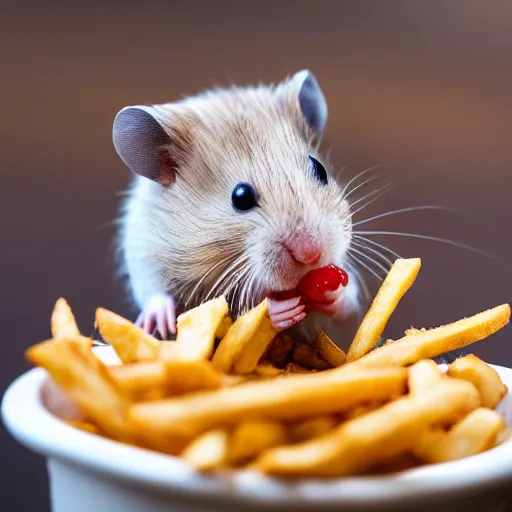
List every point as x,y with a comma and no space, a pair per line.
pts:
311,100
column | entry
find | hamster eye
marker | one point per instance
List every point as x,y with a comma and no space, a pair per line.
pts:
318,170
243,197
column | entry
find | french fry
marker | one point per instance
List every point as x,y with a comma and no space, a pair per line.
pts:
197,329
209,451
279,351
399,279
434,342
485,378
306,356
169,422
374,438
85,426
311,428
245,342
129,341
191,376
267,370
144,381
474,434
223,328
252,437
423,375
362,409
401,463
328,350
63,325
87,381
292,368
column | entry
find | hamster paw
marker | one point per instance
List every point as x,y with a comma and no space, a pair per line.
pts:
285,313
334,309
159,312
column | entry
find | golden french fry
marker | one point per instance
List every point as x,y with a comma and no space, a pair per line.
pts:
129,341
328,350
167,423
423,375
279,351
144,380
292,368
374,438
413,330
233,380
267,370
485,378
153,380
399,279
306,356
63,325
197,328
398,464
252,437
503,436
437,341
208,452
85,426
245,342
223,328
311,428
191,376
362,409
87,382
475,433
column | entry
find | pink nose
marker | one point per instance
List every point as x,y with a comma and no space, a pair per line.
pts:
304,249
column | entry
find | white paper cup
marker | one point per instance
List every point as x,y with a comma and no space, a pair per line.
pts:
89,473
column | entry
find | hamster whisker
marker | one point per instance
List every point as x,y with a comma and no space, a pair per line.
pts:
370,259
354,271
373,242
366,182
357,261
377,194
401,210
435,239
357,176
240,289
206,274
231,269
374,251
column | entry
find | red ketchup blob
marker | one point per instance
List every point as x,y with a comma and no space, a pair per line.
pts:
313,286
317,282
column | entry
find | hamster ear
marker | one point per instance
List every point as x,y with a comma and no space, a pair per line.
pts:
143,144
311,100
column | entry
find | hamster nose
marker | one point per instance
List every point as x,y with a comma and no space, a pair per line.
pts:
304,249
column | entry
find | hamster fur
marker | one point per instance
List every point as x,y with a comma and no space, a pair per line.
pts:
180,235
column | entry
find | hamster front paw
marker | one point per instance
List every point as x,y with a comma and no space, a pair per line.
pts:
159,312
335,309
285,313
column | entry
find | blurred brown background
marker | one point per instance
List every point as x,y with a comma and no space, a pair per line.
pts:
421,88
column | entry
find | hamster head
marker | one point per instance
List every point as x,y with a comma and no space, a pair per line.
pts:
236,198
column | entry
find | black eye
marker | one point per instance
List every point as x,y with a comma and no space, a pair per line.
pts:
244,197
318,170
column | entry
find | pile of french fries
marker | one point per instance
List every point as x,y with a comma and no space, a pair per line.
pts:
244,395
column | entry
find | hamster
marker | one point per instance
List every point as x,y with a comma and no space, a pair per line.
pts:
231,196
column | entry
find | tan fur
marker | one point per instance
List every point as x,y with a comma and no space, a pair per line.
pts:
181,239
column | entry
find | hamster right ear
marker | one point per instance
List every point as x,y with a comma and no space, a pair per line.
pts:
305,90
143,144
